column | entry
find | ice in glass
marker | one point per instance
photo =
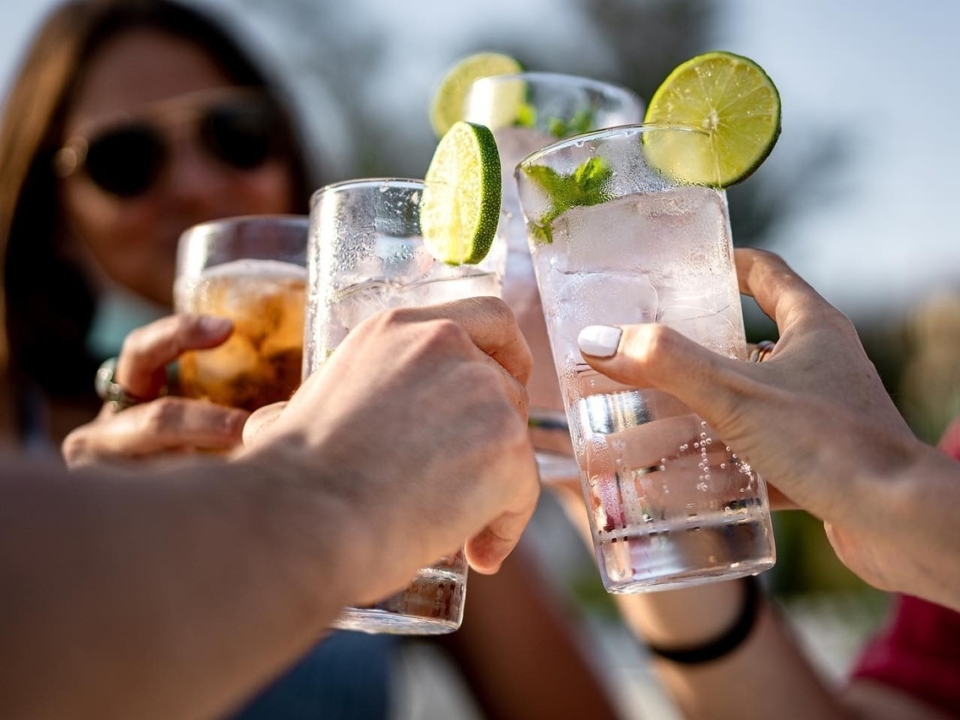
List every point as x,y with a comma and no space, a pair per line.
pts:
251,270
365,255
669,503
526,112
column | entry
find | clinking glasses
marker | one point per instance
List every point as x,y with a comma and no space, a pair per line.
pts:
240,128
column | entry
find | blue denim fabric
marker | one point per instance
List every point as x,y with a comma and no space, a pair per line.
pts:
346,677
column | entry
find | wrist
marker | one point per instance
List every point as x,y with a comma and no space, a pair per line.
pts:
314,529
721,644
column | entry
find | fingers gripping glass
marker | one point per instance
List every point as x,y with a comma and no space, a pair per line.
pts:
126,159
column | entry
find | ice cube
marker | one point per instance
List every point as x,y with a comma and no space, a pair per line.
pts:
685,234
218,367
602,298
598,237
713,330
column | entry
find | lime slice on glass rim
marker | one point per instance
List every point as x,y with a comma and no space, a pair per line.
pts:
733,110
447,105
460,205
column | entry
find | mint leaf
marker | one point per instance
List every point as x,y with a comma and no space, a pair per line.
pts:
526,116
581,122
586,185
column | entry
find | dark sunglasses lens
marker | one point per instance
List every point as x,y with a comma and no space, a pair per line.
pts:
125,162
241,134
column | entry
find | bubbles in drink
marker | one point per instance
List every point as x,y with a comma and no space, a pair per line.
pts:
261,361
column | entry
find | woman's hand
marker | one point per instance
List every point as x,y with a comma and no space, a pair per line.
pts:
157,424
815,420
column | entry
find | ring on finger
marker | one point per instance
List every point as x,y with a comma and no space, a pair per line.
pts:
762,351
110,391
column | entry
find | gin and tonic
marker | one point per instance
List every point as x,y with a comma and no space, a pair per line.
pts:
527,111
615,241
366,254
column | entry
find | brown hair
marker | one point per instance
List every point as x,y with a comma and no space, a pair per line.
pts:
49,304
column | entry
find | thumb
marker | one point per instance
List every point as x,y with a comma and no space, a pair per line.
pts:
260,421
656,356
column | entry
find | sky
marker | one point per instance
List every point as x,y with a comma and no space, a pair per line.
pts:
882,239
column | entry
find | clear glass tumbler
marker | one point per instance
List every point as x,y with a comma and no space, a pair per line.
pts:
670,504
526,112
366,254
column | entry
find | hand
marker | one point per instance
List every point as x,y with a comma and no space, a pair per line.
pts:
814,418
419,421
158,425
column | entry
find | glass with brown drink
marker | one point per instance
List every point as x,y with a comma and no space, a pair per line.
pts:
252,270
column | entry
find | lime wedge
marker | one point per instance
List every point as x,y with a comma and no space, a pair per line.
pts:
735,104
447,105
460,206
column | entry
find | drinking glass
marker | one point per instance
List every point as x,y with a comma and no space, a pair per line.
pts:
251,269
526,112
670,504
366,254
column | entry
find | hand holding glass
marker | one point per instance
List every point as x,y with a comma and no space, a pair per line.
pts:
669,504
366,254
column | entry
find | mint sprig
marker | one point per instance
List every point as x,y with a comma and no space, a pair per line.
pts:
581,122
587,185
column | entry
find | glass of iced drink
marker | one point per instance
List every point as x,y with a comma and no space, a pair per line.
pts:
366,254
252,270
616,241
526,112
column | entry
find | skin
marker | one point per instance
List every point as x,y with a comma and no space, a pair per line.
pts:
177,593
815,420
133,240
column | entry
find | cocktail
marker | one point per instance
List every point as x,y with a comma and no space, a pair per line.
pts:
527,111
367,254
252,270
669,503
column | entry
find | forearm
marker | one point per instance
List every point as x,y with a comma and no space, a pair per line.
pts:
167,596
520,654
766,676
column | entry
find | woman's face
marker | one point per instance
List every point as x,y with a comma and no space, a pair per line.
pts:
166,82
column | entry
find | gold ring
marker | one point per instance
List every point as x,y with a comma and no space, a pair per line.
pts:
762,351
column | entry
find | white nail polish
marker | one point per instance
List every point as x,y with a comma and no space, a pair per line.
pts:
599,340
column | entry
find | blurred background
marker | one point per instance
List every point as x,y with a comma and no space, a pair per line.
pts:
858,194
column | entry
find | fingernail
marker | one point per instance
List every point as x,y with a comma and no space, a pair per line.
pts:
215,325
599,341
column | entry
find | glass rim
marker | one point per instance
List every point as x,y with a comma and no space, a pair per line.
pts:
364,183
562,80
212,226
603,134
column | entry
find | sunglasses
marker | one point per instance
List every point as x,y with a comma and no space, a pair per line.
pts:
242,131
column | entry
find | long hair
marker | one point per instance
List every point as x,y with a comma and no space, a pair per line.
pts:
49,303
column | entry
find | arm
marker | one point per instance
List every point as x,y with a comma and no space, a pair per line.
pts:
168,596
766,676
815,420
519,651
177,592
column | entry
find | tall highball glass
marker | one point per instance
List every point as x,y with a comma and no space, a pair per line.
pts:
670,504
366,254
526,112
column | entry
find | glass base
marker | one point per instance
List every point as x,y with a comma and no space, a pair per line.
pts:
685,556
372,620
431,605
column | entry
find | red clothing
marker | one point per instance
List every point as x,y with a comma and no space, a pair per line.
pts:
919,653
